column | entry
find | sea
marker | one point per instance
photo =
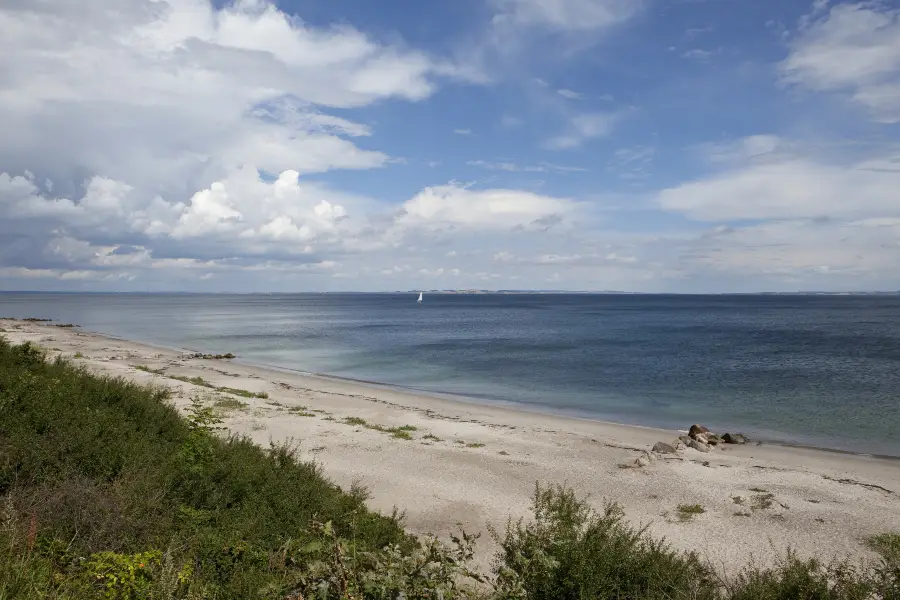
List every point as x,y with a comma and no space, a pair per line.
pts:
811,370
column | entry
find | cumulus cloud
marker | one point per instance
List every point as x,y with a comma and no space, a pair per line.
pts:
461,206
852,49
795,188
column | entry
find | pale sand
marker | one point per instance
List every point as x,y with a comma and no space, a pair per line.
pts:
825,503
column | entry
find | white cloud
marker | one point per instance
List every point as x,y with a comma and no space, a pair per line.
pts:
584,127
698,54
205,90
564,15
795,188
462,131
853,49
460,206
512,167
569,94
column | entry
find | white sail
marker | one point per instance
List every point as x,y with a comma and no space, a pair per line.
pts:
420,298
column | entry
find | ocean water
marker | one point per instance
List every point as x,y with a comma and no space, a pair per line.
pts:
812,370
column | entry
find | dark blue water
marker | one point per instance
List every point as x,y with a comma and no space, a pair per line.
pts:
818,370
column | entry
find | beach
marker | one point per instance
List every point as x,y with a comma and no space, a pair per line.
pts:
475,466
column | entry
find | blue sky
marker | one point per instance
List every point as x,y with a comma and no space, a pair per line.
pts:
654,145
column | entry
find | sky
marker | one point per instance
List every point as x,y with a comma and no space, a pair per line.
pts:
686,146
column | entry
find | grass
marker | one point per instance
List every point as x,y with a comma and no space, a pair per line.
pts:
887,545
738,499
229,404
199,381
475,445
431,437
400,433
242,393
99,475
107,493
686,512
79,355
300,411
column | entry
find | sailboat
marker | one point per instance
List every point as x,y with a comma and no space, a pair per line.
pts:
420,298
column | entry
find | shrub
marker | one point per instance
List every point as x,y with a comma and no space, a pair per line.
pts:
572,552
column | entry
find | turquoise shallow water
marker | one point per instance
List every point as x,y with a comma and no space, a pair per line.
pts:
816,370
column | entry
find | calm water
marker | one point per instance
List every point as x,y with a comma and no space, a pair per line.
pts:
820,370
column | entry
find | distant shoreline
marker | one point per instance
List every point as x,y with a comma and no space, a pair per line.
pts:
459,293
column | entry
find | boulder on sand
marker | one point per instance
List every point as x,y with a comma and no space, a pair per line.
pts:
697,429
699,446
734,438
684,439
664,448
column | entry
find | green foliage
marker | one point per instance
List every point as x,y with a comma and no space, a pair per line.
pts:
474,445
795,579
228,404
99,464
686,512
242,393
887,545
572,552
122,576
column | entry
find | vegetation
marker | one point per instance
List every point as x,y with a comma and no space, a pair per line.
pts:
401,433
203,383
107,493
686,512
229,404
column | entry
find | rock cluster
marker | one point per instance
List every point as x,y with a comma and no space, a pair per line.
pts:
699,438
702,439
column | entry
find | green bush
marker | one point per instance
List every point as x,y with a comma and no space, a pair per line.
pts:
101,465
571,551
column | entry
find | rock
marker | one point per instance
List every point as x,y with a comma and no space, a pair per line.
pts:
684,439
664,448
734,438
642,461
701,437
695,429
712,438
698,446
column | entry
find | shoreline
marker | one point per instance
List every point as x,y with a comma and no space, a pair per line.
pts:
531,409
476,463
545,410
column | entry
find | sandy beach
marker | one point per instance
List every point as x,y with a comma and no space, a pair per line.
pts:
476,465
